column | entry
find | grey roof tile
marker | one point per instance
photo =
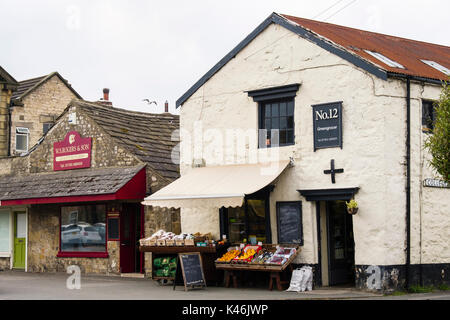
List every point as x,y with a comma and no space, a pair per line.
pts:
149,136
66,183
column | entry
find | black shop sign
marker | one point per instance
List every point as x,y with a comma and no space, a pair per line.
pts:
327,123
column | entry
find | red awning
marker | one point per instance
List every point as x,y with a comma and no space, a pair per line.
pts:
81,186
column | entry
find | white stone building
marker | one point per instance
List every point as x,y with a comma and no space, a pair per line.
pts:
336,98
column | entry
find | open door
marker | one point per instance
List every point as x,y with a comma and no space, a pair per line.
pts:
341,247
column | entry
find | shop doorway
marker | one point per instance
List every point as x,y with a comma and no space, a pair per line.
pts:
20,239
130,232
340,243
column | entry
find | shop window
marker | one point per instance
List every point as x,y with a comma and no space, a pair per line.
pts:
276,115
22,137
428,115
83,229
5,236
251,222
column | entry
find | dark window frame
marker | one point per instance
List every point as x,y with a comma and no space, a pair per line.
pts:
275,95
428,115
263,194
288,131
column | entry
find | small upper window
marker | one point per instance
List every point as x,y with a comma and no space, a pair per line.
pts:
428,115
385,60
46,127
437,66
276,115
277,121
22,135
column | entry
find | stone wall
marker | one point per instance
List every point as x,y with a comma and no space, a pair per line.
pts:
157,218
5,263
43,246
41,106
5,96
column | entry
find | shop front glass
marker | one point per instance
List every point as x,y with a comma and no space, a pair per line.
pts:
248,222
83,228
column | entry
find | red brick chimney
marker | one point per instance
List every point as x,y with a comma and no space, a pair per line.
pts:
106,94
166,107
105,100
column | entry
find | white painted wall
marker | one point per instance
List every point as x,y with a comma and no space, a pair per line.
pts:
373,156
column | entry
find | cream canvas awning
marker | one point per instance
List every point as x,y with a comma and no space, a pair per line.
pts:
221,186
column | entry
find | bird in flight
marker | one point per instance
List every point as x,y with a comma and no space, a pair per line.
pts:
150,102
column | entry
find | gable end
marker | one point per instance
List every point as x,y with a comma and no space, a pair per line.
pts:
277,19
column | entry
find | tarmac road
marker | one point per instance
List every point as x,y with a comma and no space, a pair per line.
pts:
16,285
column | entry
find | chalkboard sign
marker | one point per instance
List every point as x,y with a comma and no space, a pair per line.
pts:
192,270
113,229
289,221
327,124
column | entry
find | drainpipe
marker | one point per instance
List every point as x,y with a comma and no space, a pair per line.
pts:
10,106
408,181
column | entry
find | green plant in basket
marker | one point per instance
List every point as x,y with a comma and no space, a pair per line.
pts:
352,207
352,204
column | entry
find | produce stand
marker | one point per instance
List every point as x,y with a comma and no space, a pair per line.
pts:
209,254
275,270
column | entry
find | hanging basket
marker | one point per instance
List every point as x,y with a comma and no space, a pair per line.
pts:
352,211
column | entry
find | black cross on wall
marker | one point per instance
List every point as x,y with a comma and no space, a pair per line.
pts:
333,172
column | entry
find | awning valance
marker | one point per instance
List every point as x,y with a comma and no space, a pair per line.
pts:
219,186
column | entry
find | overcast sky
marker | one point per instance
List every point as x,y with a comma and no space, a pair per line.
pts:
159,49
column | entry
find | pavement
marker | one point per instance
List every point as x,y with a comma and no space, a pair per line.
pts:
17,285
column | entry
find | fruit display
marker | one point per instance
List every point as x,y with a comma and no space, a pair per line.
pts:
247,254
229,255
285,252
262,257
281,256
275,259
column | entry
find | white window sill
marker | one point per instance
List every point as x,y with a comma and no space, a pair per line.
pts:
5,255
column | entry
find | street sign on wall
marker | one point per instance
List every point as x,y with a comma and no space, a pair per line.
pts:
73,152
327,124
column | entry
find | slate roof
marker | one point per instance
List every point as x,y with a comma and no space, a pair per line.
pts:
147,135
84,182
27,86
5,77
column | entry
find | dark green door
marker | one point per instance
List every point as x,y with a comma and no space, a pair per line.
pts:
340,244
20,235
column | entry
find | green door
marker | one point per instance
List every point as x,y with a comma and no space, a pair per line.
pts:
20,234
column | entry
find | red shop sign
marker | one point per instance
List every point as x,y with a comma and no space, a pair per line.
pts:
73,152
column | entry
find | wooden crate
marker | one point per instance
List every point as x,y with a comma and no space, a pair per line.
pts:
179,243
160,242
189,242
170,243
